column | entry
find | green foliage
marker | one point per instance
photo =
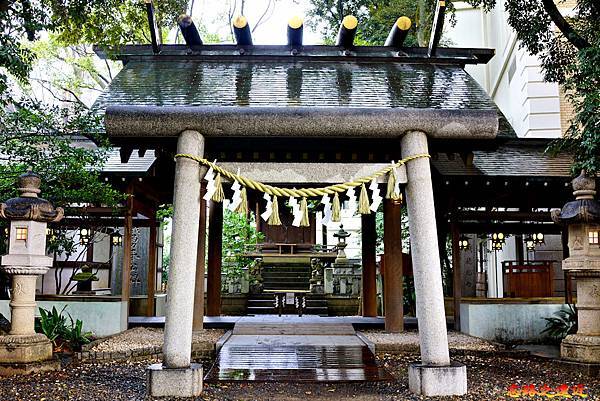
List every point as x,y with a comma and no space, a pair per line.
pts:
238,233
39,137
109,23
569,56
562,324
51,323
54,325
375,18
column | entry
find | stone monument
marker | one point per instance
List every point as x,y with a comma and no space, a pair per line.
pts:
23,350
582,217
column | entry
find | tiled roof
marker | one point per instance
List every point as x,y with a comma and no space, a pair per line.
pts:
135,164
515,158
281,83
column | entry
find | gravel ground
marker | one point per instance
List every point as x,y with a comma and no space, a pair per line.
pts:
490,375
142,337
409,341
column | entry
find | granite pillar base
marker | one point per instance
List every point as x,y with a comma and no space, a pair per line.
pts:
166,382
432,381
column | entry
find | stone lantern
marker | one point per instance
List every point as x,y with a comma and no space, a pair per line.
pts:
582,217
341,235
23,350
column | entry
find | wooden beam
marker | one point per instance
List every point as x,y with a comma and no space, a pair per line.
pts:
108,222
198,322
467,215
392,260
369,265
508,228
152,258
456,274
437,28
215,253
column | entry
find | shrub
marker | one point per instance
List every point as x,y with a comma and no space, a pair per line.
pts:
562,324
63,333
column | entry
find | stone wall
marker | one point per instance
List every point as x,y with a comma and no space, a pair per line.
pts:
101,317
504,321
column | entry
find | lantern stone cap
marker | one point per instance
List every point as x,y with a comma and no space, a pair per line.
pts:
341,233
28,206
584,209
584,186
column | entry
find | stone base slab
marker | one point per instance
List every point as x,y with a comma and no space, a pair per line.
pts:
165,382
581,348
588,369
11,369
431,380
25,348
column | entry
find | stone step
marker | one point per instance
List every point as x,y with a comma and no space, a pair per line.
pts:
286,273
297,329
282,286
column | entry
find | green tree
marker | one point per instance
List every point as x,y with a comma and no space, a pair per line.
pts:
375,17
238,233
107,23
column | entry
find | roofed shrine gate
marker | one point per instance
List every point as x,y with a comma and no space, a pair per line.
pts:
319,108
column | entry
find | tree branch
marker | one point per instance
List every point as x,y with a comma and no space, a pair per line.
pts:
562,24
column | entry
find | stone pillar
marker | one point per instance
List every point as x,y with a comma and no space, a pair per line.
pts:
582,217
177,377
22,305
23,350
215,257
369,265
435,375
392,279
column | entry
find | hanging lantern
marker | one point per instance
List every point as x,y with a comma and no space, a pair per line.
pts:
116,239
84,236
499,237
463,243
538,238
529,243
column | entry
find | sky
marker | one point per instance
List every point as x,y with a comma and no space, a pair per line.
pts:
213,15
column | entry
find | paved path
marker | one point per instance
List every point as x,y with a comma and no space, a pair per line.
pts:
293,349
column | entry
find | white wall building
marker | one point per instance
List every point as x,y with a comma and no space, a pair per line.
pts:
513,78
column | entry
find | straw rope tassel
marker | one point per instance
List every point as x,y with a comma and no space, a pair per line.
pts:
274,219
336,209
242,208
219,195
363,201
304,222
391,183
299,192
